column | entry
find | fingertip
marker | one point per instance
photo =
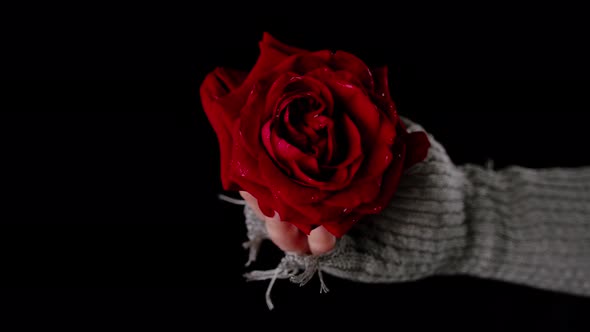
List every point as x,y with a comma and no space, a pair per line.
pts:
321,241
253,203
247,197
286,236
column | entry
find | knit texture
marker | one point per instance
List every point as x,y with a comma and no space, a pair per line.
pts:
518,225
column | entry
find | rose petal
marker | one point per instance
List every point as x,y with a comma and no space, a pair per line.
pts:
360,109
341,226
222,107
305,168
271,42
284,186
220,82
225,142
252,116
345,61
285,153
290,85
299,198
380,76
390,182
417,148
272,52
358,192
353,140
380,156
348,62
382,95
243,165
301,63
367,183
245,172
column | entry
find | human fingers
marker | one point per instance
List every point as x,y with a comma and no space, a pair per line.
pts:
284,235
253,203
321,241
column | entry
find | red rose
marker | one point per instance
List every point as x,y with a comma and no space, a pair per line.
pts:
314,136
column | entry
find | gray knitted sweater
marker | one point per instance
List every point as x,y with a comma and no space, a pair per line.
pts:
526,226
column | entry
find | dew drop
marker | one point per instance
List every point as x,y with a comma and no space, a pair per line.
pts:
314,198
382,94
345,85
346,211
387,157
377,208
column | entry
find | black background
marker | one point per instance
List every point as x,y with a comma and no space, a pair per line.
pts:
111,170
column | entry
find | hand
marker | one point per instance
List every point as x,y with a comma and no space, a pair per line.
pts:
288,237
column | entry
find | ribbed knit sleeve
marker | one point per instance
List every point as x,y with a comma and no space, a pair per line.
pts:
518,225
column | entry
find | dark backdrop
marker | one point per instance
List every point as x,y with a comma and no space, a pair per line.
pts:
111,169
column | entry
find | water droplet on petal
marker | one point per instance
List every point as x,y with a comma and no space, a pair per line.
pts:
345,85
388,157
314,198
383,94
243,171
346,211
377,208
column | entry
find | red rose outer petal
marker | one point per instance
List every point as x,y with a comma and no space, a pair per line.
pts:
217,104
342,60
390,182
340,227
269,41
417,147
360,109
